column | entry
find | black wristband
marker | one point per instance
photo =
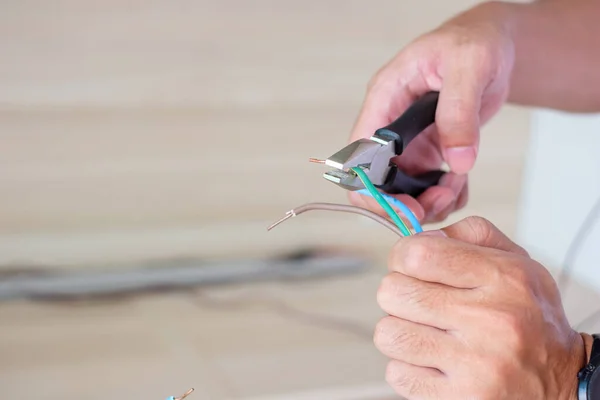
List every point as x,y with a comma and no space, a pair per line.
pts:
589,376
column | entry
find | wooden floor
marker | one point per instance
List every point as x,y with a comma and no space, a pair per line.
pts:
134,131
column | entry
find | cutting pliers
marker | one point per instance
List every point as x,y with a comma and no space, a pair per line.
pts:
374,155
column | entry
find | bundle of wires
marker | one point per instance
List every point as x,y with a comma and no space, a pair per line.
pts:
397,225
383,200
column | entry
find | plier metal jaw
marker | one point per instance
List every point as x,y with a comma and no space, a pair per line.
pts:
374,155
370,154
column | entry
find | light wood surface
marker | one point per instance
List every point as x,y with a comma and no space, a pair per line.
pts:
186,128
153,129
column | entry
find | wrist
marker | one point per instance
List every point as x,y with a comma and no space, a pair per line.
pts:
503,15
582,356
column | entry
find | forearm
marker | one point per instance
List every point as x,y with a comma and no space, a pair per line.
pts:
557,56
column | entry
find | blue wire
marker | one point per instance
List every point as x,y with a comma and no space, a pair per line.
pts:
401,206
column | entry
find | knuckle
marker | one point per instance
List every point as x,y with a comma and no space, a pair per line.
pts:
518,279
406,384
476,49
545,277
394,335
399,380
380,78
394,376
374,81
498,374
395,289
386,289
386,333
479,224
514,333
459,113
479,49
481,228
379,334
416,252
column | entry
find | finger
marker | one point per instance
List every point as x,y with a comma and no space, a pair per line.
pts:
415,344
481,232
421,302
439,201
416,383
433,257
386,99
435,201
372,205
422,155
457,116
463,197
444,214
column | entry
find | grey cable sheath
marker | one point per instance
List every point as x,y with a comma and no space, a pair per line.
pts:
573,250
338,208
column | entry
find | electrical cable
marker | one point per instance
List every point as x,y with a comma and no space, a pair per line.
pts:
382,202
339,208
577,244
401,206
573,250
183,396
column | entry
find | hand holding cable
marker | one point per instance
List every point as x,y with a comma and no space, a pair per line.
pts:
471,316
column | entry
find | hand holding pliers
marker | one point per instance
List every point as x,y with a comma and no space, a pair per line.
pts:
374,155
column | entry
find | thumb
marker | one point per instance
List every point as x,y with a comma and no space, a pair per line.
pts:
481,232
457,117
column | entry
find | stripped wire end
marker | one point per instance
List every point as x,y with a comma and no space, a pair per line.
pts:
186,394
288,215
316,161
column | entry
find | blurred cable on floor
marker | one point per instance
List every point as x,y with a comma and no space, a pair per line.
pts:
174,275
190,276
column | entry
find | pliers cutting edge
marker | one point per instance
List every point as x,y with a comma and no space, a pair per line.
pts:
374,155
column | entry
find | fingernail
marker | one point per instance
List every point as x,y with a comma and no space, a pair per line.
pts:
461,159
434,233
442,204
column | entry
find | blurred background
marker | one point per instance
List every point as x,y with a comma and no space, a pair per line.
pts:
146,136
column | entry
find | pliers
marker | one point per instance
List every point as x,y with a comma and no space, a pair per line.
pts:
374,155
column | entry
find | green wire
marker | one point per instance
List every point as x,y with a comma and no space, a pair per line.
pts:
382,202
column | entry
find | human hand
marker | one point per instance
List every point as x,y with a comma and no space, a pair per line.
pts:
469,60
472,316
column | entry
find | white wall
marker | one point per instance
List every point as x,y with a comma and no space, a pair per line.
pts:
561,184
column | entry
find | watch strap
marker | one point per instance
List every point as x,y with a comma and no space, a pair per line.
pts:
590,371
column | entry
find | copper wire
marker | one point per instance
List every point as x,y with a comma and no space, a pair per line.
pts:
186,394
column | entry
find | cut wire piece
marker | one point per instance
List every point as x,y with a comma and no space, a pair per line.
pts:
183,396
339,208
